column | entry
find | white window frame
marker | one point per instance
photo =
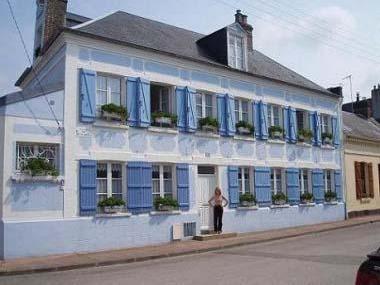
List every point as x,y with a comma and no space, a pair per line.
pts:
326,123
35,146
331,172
109,179
302,181
161,180
203,96
170,97
233,59
107,90
271,117
243,170
240,112
276,189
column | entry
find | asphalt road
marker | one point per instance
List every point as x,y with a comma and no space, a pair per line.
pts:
325,258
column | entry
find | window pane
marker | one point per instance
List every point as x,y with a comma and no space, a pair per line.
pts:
114,84
155,172
237,110
300,120
115,98
199,105
168,184
209,106
276,116
165,100
272,180
101,83
101,180
246,180
101,97
240,181
101,170
167,172
270,115
244,107
116,170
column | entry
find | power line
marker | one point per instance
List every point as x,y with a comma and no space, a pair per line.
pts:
31,66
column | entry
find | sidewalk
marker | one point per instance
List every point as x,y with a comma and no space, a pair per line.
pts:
83,260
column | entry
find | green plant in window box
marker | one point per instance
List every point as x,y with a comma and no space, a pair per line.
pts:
327,138
165,204
209,124
275,132
38,166
244,128
247,200
306,198
111,205
164,119
305,135
115,112
279,198
330,196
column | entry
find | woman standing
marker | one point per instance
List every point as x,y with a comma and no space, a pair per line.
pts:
218,201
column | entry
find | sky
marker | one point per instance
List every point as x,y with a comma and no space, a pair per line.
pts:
323,40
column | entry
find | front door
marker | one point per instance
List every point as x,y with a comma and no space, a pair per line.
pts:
205,190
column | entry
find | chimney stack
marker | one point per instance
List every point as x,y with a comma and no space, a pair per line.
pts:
243,21
375,98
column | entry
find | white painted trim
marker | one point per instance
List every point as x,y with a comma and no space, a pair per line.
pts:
93,20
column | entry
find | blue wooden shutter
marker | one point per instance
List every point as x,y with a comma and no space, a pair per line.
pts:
180,93
191,119
221,106
286,112
312,127
139,184
183,186
132,99
317,129
262,186
87,96
233,186
318,185
256,118
230,115
292,125
338,184
336,131
87,187
143,92
292,185
263,120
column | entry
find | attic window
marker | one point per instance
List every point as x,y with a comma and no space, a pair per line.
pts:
236,51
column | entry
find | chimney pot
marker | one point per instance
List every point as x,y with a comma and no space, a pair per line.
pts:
357,96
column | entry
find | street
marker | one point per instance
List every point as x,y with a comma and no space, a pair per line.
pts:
325,258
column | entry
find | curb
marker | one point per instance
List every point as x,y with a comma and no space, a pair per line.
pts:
176,254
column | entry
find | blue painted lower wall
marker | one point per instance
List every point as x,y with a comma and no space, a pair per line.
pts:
85,234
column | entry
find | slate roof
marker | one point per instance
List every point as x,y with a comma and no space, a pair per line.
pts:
125,28
360,127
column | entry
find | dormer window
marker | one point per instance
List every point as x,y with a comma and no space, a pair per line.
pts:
236,53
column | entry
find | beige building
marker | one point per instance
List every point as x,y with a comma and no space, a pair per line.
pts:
362,164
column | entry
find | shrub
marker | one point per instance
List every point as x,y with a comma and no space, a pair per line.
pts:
307,196
165,201
330,195
327,135
244,124
247,197
208,121
273,129
279,196
113,108
40,166
165,115
307,134
111,202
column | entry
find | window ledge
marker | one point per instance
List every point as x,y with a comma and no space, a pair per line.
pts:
275,141
22,177
206,134
326,146
163,130
365,200
306,204
116,215
331,203
244,138
113,125
165,213
304,144
279,206
251,208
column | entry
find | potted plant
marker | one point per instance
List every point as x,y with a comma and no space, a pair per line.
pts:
279,198
164,119
247,200
111,205
275,132
165,204
304,135
330,196
326,138
114,112
208,124
37,166
244,128
306,198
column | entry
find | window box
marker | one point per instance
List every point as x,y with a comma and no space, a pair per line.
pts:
327,138
279,199
280,206
208,124
305,135
162,119
111,205
113,209
310,204
250,208
21,177
247,200
307,198
244,128
275,132
244,131
163,213
165,204
114,112
331,202
116,215
330,196
39,167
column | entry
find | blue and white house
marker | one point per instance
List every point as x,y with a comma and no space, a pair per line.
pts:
201,111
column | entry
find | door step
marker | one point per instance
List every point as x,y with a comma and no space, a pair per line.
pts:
204,237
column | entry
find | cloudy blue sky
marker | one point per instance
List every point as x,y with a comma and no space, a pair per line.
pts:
324,40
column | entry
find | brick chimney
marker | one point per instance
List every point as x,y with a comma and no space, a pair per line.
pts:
50,19
243,21
376,102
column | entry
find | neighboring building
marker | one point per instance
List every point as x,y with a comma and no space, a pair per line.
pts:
155,71
362,164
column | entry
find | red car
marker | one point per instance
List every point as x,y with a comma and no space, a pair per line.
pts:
369,270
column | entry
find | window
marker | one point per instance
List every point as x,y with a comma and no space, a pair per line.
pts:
108,90
327,179
241,110
302,120
206,170
109,180
244,180
326,123
364,180
276,180
205,105
162,180
304,179
24,151
274,115
160,98
236,51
